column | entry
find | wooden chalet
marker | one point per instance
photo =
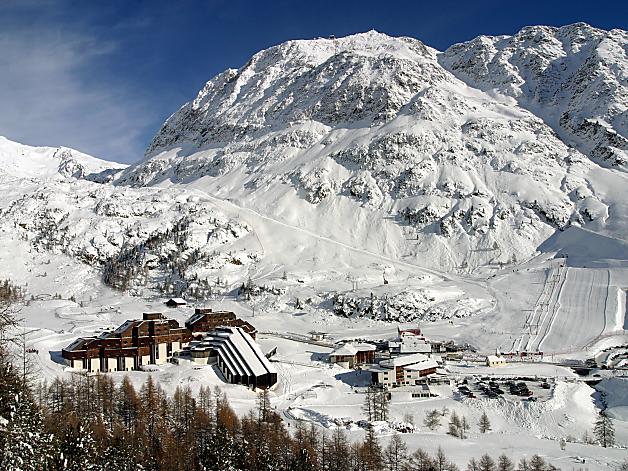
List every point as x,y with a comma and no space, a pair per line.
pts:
176,302
151,340
350,355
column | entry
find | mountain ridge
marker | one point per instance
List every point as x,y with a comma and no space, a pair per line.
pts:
372,127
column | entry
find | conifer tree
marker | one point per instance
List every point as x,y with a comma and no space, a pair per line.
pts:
523,465
367,406
504,463
339,451
441,463
604,431
219,454
473,465
455,425
486,463
537,463
371,451
77,449
432,419
485,423
263,406
421,461
24,445
464,427
396,454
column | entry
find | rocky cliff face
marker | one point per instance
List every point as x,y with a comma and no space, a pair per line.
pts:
575,78
479,152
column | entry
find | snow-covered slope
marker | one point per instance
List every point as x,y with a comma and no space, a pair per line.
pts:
149,237
574,77
22,161
370,140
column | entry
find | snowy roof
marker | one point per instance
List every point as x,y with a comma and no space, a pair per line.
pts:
365,347
344,349
78,344
404,360
424,365
123,327
195,317
494,358
177,300
350,349
239,351
412,388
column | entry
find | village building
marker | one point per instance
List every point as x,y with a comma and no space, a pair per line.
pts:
317,336
149,341
176,302
409,393
411,341
205,320
236,354
350,355
403,371
494,361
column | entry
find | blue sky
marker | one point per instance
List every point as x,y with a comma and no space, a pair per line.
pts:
102,76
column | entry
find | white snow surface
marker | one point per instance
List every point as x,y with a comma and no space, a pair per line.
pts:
22,161
367,171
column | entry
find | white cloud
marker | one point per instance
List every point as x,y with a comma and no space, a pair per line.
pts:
49,95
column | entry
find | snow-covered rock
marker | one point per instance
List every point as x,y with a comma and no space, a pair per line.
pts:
574,77
372,127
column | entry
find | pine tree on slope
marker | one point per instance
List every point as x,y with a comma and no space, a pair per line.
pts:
485,424
604,431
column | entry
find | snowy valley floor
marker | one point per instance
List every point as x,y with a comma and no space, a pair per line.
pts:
311,389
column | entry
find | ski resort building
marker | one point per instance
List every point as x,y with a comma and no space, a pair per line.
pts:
205,320
149,341
410,341
494,360
350,355
175,302
403,371
237,356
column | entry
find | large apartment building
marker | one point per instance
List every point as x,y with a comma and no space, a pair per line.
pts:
146,341
205,320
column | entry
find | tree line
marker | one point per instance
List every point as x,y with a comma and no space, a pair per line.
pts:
90,423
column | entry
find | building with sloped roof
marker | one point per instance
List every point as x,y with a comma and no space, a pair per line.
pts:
205,320
236,354
150,340
176,302
494,360
350,355
403,371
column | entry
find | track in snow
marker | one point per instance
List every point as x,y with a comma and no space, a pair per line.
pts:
587,308
393,261
552,308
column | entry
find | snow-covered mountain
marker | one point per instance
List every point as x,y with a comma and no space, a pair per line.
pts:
23,161
59,201
575,78
388,144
